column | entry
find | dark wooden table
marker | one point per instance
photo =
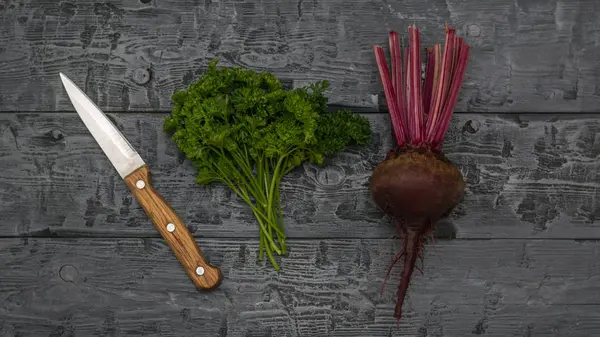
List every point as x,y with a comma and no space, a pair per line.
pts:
518,257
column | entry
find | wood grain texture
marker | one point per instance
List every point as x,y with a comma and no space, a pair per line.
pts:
328,288
204,275
131,55
528,176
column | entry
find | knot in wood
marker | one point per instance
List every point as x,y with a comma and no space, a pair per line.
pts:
56,134
69,273
331,176
471,126
141,76
473,30
549,95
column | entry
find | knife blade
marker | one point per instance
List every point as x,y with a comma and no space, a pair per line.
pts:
136,174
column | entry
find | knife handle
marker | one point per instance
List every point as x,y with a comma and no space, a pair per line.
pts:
204,275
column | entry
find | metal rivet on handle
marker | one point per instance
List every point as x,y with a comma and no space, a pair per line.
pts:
200,271
140,184
171,227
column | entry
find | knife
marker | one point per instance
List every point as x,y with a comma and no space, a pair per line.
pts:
136,174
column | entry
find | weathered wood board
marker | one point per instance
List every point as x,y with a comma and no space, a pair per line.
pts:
117,287
129,55
529,176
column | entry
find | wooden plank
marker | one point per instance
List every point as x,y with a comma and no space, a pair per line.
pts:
123,287
133,54
528,176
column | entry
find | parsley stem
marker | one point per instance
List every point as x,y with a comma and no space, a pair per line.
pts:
271,194
264,217
271,258
279,217
250,180
243,163
268,247
241,192
261,247
269,236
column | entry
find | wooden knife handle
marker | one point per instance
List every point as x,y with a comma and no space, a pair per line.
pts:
178,237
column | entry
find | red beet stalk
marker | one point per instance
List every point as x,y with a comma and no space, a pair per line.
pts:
397,77
416,184
429,79
413,89
390,96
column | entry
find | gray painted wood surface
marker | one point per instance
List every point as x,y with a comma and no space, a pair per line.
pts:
78,257
527,55
133,287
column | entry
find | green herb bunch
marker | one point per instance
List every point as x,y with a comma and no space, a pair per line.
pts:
241,128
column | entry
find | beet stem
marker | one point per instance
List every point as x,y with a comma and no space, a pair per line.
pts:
384,74
428,85
452,98
413,87
397,82
441,87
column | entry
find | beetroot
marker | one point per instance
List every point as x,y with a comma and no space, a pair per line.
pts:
416,185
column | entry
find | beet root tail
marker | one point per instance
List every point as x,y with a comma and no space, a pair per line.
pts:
400,255
387,275
413,249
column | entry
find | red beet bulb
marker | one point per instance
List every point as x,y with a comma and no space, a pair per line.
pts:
416,185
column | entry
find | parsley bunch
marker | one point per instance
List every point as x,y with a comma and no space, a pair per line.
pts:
241,128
